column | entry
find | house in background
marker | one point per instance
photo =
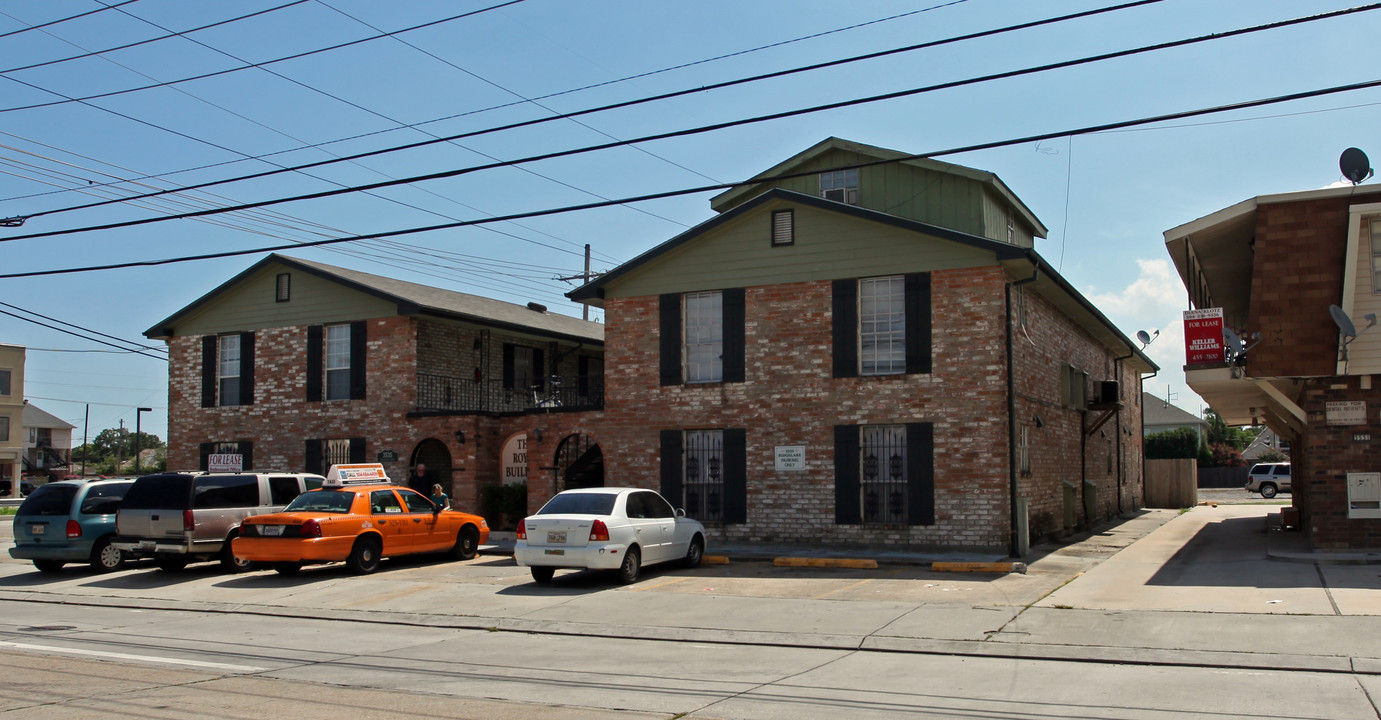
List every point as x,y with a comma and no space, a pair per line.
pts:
11,415
1159,416
869,353
47,443
298,365
1271,267
1267,444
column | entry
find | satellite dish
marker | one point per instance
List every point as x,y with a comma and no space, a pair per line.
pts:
1355,165
1344,322
1234,342
1143,337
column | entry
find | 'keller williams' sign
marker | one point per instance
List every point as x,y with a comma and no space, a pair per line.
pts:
1203,336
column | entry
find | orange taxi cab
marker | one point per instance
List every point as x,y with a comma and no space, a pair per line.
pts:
358,517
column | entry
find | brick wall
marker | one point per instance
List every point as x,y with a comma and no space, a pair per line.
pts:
790,398
1319,469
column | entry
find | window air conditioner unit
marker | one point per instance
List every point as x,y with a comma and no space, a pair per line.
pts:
844,195
1106,393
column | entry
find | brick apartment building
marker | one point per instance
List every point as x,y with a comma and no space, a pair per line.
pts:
1272,266
868,356
300,365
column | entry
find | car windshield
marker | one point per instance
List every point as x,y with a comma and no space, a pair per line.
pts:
579,504
49,500
331,501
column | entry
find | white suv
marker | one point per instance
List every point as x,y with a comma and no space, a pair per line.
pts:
1269,479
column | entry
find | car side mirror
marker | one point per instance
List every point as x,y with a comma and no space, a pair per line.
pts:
680,512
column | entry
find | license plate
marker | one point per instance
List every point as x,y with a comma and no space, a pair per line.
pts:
271,530
38,529
147,545
556,552
556,538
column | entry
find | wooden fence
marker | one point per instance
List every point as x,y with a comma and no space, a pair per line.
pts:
1172,483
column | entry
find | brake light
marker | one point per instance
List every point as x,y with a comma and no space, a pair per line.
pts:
522,529
189,523
599,531
74,530
310,528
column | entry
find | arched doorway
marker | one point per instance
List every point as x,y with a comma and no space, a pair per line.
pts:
579,463
433,453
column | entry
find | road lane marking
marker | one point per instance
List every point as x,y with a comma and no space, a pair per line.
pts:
134,658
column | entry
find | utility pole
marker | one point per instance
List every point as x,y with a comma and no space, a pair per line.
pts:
138,416
586,276
86,449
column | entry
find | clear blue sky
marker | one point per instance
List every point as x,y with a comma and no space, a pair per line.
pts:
1106,198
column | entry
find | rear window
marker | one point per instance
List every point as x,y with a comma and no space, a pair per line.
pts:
579,504
49,500
104,499
159,492
330,501
226,491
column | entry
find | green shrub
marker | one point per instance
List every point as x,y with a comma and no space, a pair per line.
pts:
1172,444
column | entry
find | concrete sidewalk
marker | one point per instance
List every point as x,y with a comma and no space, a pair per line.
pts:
1159,588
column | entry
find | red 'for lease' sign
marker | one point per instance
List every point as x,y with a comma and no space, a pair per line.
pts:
1203,336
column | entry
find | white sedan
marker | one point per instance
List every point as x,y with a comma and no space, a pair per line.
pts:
619,529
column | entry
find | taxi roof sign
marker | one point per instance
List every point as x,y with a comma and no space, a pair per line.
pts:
356,474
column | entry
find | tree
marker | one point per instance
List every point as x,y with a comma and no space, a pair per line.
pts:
120,442
1172,444
1218,432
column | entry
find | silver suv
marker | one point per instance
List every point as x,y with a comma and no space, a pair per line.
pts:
178,518
1269,479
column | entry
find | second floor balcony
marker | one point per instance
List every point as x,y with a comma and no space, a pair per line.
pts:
463,395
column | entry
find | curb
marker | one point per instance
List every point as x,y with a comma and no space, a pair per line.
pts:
858,563
979,567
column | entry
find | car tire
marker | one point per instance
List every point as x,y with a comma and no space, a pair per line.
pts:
48,567
632,565
467,543
287,568
171,563
1268,490
543,574
364,557
695,553
232,563
105,558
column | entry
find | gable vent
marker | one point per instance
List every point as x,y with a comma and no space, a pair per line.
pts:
783,227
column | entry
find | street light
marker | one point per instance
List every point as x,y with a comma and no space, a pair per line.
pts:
138,416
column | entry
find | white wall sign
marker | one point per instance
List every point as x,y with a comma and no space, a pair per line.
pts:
1364,495
514,459
791,457
1350,412
225,463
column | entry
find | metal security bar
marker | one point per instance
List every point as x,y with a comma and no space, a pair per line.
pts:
448,393
704,485
884,473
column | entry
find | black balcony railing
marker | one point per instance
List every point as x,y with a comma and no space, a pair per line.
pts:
446,393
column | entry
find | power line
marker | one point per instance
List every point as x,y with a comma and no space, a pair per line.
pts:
698,130
637,101
1105,127
228,71
63,20
76,334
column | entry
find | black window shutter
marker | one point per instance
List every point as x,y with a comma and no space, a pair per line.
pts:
315,458
920,474
671,467
669,317
539,366
734,345
205,461
845,328
507,366
846,476
359,344
246,455
247,368
917,304
735,475
208,372
583,375
357,450
315,362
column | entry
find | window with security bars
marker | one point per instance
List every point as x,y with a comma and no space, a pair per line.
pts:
228,377
704,337
335,452
704,479
337,362
883,473
882,325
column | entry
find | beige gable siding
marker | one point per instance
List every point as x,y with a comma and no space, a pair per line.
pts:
1364,353
828,245
250,305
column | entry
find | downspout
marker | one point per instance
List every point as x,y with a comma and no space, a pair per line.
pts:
1012,414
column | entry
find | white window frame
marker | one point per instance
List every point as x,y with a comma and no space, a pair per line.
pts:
840,185
228,354
704,337
336,356
1375,238
882,325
